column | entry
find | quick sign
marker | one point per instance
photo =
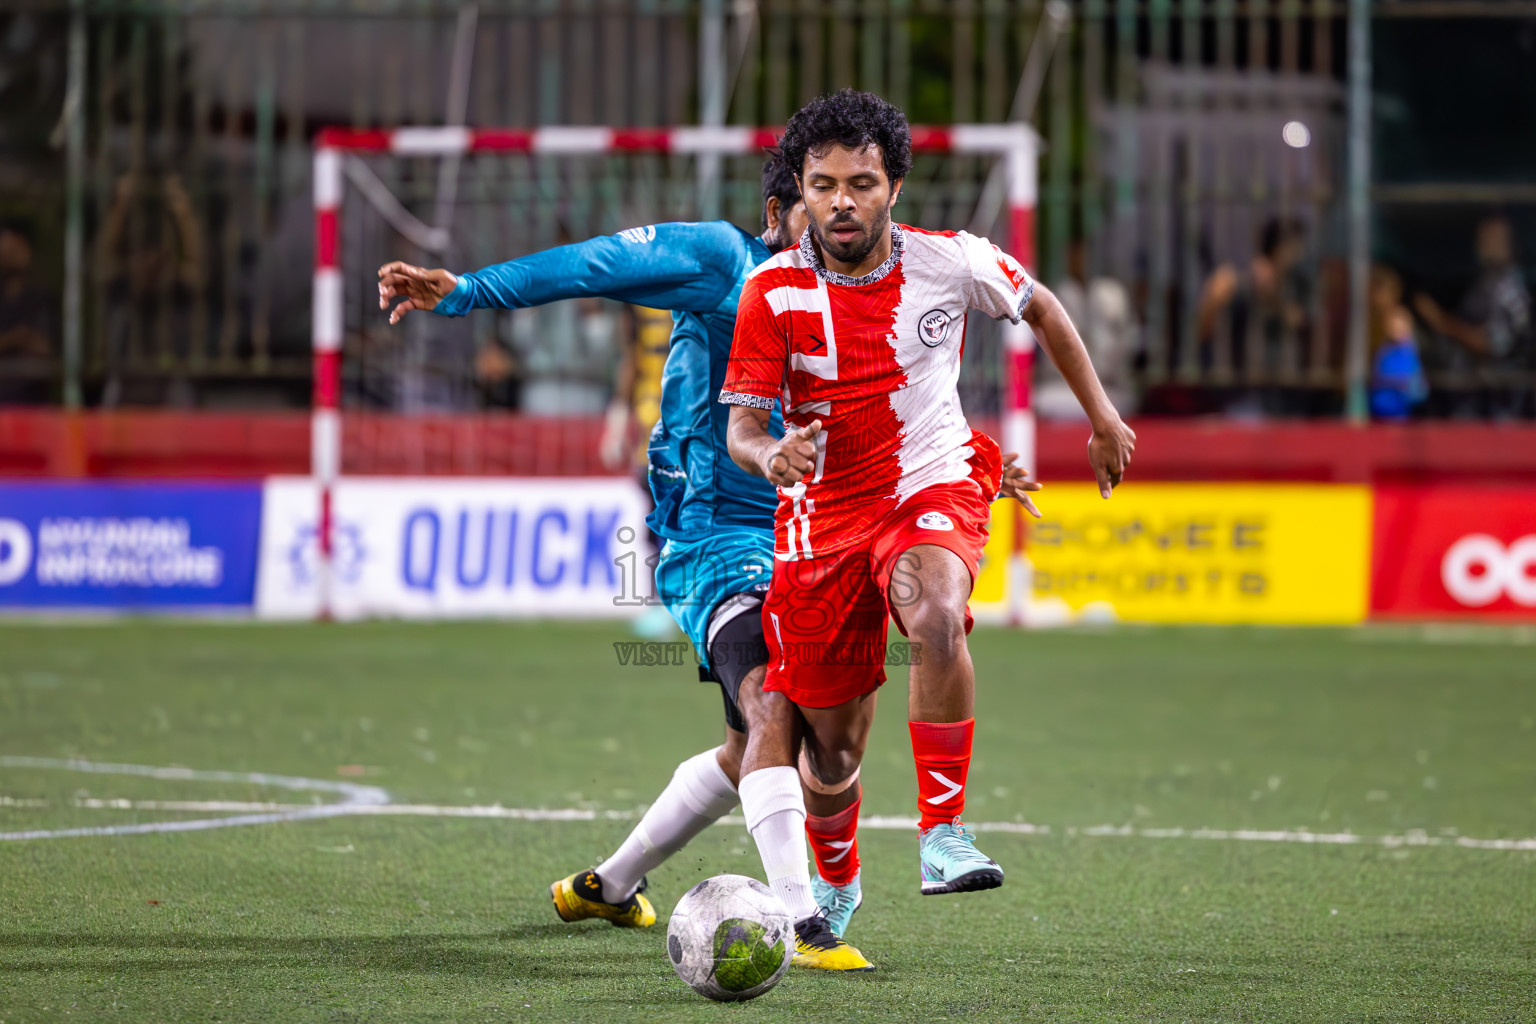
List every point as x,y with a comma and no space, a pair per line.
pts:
455,547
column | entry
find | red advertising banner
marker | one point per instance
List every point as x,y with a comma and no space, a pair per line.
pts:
1454,550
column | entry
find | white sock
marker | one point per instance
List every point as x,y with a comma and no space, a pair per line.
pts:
700,793
775,812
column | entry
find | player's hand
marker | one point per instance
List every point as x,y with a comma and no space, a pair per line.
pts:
422,288
1017,484
793,457
1109,453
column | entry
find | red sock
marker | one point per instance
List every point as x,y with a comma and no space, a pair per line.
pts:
942,751
834,840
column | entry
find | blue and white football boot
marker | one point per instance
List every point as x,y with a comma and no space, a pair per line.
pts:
950,861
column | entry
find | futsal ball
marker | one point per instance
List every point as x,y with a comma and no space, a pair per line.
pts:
730,938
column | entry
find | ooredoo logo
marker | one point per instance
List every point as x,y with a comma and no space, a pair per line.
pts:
15,551
1479,569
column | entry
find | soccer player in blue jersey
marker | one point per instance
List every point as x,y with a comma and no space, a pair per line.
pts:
716,520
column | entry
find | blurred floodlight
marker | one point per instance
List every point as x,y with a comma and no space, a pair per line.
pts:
1296,135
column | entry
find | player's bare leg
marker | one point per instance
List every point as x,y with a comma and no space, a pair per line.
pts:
730,754
835,739
933,589
834,744
930,588
774,805
771,797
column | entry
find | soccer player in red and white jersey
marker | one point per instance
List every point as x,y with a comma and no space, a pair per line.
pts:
884,489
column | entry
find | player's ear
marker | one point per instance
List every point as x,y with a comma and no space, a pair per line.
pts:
896,189
771,213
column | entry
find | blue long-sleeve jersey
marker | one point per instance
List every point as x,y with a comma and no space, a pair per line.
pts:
695,270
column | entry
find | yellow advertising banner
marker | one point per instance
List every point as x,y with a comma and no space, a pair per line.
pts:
1216,553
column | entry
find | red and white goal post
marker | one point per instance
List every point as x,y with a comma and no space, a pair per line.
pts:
1015,145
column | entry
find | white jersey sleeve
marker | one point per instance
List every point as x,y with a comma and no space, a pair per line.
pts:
1000,286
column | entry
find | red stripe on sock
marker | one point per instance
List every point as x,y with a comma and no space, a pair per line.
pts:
834,840
942,751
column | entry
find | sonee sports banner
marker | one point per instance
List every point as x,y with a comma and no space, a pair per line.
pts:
1212,553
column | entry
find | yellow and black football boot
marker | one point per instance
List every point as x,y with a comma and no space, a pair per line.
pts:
817,946
580,897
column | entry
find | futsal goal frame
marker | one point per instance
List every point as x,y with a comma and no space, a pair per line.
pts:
1015,145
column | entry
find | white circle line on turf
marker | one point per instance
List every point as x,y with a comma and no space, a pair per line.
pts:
371,801
353,796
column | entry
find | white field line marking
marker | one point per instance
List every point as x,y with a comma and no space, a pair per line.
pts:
11,801
196,806
370,801
352,797
1411,838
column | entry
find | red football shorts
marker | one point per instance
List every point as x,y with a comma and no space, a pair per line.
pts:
825,618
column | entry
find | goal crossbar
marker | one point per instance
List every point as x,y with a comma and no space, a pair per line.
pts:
1015,144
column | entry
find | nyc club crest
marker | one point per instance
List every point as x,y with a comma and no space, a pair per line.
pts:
933,327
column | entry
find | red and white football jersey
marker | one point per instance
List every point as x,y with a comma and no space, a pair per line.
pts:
876,359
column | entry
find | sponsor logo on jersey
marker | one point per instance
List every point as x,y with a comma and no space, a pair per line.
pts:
1010,269
934,521
933,327
639,236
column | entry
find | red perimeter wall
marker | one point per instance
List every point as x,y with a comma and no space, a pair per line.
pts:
128,444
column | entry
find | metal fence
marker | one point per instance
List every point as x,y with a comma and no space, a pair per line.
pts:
561,358
154,160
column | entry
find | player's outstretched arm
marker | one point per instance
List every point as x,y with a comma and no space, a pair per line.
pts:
665,266
783,461
421,288
1110,447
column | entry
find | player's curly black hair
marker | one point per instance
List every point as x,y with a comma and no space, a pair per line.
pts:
853,119
778,183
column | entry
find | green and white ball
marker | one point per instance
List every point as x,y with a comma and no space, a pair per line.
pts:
730,938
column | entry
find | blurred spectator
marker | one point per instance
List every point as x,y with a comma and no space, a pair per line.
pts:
1265,309
153,273
1397,376
1385,298
498,375
1101,309
28,324
1494,327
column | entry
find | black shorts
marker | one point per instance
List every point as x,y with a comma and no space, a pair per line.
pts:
736,647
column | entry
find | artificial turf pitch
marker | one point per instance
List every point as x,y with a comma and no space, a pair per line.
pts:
1401,732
